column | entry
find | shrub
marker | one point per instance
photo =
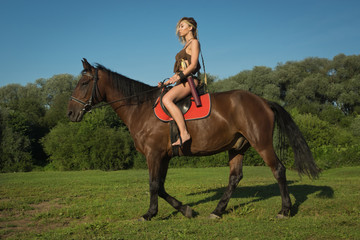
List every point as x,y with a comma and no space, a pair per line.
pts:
90,144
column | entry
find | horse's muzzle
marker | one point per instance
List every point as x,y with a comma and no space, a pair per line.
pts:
75,117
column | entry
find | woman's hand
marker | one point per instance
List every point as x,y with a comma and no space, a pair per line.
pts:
160,84
172,80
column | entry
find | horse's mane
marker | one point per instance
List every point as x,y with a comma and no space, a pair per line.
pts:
129,87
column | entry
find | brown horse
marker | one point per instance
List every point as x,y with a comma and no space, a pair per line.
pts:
238,120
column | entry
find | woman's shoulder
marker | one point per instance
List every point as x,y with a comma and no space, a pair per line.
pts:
194,44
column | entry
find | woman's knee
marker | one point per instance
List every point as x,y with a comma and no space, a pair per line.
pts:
167,100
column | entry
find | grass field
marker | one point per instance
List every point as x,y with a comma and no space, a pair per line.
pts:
106,205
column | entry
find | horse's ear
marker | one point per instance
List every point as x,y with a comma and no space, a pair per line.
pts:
86,65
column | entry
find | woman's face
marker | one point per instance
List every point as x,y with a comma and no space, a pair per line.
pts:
184,29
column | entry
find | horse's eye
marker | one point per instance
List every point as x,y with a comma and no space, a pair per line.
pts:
85,83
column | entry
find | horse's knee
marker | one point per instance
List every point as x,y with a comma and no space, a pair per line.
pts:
280,171
235,179
154,187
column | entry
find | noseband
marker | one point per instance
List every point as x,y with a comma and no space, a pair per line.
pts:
89,105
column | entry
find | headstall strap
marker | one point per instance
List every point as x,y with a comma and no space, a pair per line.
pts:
88,105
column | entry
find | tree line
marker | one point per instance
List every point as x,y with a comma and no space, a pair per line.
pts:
321,94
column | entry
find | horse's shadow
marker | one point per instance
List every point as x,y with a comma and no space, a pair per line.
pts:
263,192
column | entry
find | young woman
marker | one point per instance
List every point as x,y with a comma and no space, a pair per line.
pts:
186,29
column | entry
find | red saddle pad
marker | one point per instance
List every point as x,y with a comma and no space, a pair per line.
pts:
192,114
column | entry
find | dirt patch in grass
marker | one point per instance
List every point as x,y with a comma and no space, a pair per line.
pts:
13,222
44,207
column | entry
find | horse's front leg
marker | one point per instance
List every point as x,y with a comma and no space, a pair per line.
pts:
154,184
157,176
153,209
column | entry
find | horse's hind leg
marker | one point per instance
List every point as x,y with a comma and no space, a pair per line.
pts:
184,209
279,173
235,162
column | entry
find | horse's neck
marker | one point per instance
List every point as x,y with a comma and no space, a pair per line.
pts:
132,113
129,107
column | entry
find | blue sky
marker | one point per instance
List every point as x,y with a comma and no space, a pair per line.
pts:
42,38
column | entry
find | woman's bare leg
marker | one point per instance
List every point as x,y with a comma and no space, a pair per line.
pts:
178,92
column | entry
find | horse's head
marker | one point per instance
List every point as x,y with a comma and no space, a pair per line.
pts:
85,94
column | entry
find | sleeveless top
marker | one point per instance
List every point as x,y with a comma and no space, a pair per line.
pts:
184,55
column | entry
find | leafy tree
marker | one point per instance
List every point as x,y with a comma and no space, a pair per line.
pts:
355,126
260,81
56,92
331,114
25,118
26,100
345,76
15,145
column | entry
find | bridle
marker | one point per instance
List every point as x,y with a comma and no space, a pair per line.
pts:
88,106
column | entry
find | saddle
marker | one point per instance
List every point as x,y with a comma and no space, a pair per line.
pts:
187,107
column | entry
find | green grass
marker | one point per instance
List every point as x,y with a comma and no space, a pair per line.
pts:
106,205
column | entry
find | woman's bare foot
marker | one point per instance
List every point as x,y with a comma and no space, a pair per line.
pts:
182,140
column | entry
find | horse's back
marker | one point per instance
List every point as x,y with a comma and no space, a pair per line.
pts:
239,102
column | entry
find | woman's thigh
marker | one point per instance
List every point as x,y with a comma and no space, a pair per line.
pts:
178,92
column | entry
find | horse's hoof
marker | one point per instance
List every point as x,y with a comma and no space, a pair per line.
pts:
188,212
214,216
142,219
282,216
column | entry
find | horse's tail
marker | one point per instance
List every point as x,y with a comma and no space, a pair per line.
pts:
304,161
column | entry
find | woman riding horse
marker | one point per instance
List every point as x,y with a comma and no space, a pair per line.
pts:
187,33
247,120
